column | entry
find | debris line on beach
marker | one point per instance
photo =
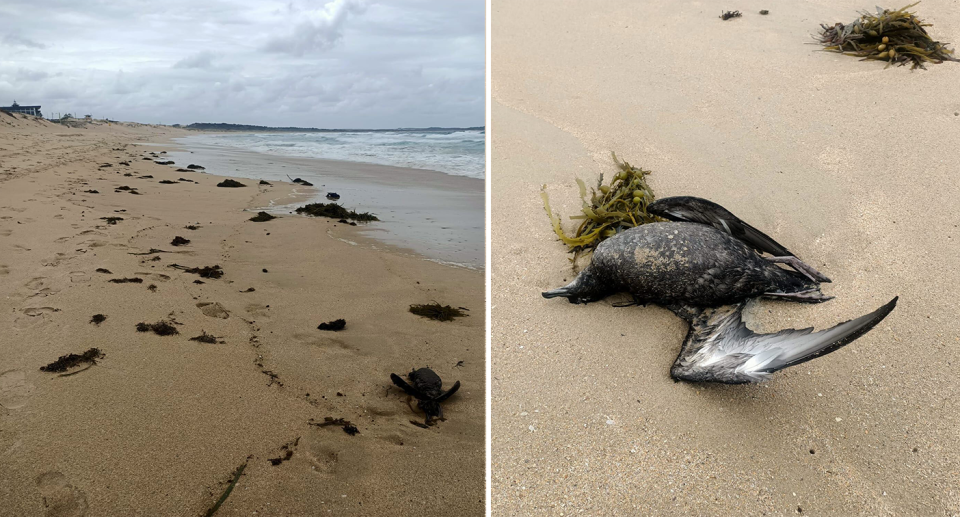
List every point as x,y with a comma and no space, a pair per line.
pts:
894,36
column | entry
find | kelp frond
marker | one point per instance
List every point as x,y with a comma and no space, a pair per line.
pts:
895,36
610,209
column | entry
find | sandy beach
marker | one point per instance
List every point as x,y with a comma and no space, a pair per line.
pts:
849,165
161,423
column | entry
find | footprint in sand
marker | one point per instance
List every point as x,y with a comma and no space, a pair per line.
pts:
79,276
39,311
4,270
60,498
213,310
261,312
34,316
14,389
5,233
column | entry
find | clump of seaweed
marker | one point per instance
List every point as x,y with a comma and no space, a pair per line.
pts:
263,182
167,182
611,209
191,227
65,362
129,280
897,37
152,287
195,167
334,325
98,319
205,338
262,217
730,14
160,328
179,241
435,311
335,211
111,220
204,272
103,270
343,423
230,183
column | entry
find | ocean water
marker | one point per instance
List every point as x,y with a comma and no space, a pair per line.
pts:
460,153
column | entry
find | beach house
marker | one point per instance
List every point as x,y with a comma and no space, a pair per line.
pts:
16,108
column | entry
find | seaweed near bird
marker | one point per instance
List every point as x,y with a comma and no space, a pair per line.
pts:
435,311
609,210
893,36
335,211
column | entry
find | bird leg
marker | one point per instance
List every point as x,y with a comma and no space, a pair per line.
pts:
801,267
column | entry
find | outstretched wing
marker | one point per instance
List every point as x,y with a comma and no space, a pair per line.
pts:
697,210
402,384
449,393
720,348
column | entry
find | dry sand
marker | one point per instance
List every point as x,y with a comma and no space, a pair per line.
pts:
851,166
159,425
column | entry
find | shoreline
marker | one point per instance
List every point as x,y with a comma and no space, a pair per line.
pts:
192,411
428,213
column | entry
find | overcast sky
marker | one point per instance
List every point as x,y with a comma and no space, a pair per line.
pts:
337,64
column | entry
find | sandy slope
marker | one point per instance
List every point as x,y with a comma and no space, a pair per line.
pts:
160,424
851,166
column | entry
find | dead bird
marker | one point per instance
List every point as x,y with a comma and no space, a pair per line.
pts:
697,210
705,276
428,390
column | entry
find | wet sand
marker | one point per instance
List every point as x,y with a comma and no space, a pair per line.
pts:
849,165
425,212
159,425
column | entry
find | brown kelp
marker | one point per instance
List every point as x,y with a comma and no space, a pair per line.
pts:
897,37
435,311
611,209
335,211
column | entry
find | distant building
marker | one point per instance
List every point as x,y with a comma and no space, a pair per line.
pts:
16,108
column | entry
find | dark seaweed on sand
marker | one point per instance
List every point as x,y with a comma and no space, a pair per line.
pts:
730,14
160,328
152,287
334,211
435,311
111,220
343,423
104,270
230,183
205,338
894,36
133,280
168,162
262,217
92,191
179,241
191,227
65,362
226,493
334,325
168,182
262,182
204,272
98,319
195,167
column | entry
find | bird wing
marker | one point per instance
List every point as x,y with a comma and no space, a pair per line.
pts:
698,210
720,348
449,393
402,384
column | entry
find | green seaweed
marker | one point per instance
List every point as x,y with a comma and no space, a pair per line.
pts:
611,209
226,493
895,36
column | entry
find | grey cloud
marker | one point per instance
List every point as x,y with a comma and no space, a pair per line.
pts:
321,31
16,40
202,60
